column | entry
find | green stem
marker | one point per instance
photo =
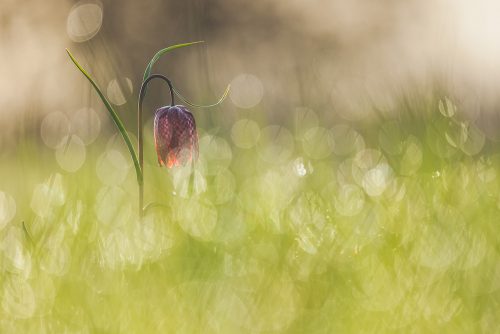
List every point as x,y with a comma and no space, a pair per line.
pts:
140,146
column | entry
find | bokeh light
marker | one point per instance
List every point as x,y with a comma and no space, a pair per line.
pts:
346,140
48,195
301,167
245,133
188,182
7,209
308,222
412,157
86,124
112,167
196,217
305,119
216,153
18,298
276,144
55,257
54,129
376,180
118,91
116,142
246,91
16,258
84,20
71,155
318,143
368,162
350,200
112,206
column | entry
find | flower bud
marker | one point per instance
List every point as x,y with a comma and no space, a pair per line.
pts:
176,139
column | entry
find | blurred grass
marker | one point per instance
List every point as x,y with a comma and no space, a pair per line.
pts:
385,226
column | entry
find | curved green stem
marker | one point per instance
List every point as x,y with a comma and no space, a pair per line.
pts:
140,147
160,53
115,118
186,101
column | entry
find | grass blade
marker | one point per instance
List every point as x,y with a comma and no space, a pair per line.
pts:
157,56
114,116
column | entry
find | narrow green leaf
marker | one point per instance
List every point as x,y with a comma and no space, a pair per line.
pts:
157,56
223,97
115,118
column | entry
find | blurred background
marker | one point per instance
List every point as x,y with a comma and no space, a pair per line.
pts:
349,183
342,59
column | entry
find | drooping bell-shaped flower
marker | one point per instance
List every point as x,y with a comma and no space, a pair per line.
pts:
176,139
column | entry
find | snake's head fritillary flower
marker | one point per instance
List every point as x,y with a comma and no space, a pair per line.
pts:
176,139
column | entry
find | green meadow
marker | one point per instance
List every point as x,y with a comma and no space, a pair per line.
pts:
299,227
